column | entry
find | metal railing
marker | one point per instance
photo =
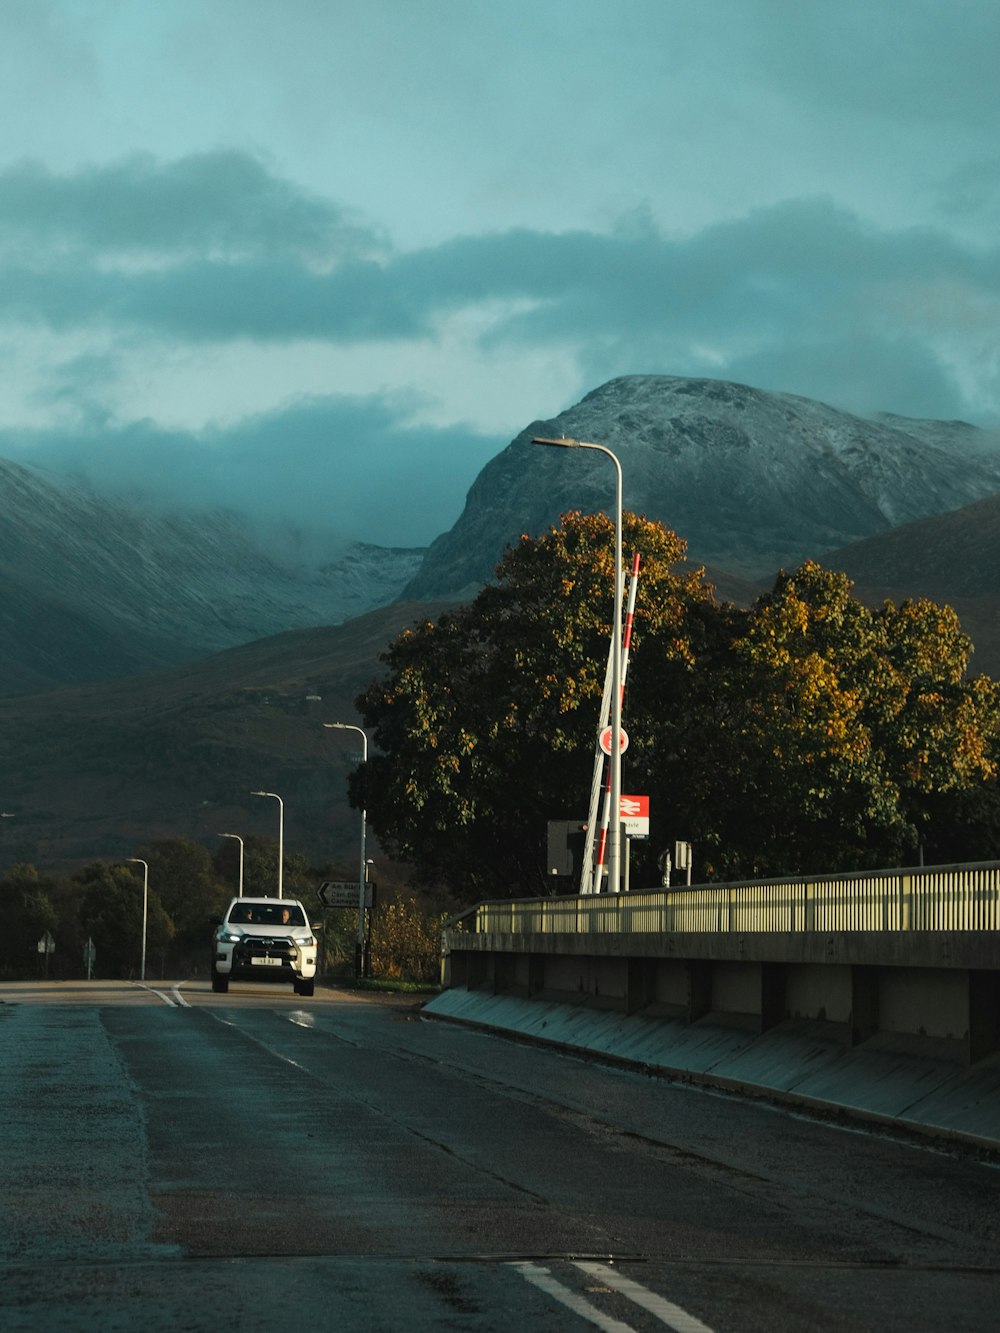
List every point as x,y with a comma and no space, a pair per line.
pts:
959,897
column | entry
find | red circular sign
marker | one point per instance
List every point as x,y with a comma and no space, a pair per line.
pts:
605,740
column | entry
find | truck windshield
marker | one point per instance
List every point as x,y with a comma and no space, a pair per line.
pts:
267,914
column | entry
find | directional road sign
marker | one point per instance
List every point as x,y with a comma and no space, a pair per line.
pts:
343,893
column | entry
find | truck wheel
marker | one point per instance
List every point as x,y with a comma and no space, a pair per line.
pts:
219,984
305,987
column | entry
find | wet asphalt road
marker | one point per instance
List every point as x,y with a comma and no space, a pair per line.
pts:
174,1159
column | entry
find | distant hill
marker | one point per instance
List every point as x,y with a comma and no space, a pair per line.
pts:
91,771
253,653
948,555
952,558
93,588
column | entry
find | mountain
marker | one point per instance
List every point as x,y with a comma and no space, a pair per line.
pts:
948,555
952,558
254,650
93,588
95,771
752,480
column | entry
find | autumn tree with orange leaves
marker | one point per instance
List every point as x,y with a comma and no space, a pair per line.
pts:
808,733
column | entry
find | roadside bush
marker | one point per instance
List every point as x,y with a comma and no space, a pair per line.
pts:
406,942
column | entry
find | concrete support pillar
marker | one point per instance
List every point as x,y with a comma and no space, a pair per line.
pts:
772,995
479,970
864,1004
984,1015
640,984
699,989
503,972
536,973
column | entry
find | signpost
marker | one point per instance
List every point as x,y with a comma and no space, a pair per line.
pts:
682,857
344,893
47,945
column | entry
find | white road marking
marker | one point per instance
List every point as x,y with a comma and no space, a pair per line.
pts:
158,993
544,1281
666,1311
302,1018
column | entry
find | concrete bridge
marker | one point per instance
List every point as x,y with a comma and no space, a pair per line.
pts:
876,994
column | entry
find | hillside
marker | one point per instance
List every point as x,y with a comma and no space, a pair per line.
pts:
93,588
752,480
951,558
93,771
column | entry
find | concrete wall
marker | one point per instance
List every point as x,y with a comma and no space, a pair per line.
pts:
942,988
898,1028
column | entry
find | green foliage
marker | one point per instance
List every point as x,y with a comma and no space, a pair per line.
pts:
111,915
487,721
826,732
260,869
187,886
406,942
808,733
28,913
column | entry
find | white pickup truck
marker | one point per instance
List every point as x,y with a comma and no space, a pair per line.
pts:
265,939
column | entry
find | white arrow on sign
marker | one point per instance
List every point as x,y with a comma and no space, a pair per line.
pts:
343,893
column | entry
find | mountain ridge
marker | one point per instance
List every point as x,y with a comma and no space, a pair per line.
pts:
751,480
93,588
98,767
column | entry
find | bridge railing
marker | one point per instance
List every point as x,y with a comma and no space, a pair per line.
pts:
951,898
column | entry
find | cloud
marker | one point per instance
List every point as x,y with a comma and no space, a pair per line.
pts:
347,467
241,254
144,266
224,204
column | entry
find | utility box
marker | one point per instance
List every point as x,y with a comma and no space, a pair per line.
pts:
565,847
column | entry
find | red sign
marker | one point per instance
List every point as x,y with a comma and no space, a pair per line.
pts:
605,740
635,815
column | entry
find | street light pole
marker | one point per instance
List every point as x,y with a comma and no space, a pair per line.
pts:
145,902
281,835
240,841
614,832
360,951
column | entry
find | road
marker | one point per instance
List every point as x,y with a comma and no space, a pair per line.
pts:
174,1159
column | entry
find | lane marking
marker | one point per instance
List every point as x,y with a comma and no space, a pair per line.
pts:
158,993
544,1281
666,1311
301,1018
176,993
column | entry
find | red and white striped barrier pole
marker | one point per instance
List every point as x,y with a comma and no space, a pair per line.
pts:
602,845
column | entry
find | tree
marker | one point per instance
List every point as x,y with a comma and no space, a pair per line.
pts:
834,730
807,733
187,885
111,915
260,869
486,724
27,914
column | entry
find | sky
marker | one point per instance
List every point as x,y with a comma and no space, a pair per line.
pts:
320,260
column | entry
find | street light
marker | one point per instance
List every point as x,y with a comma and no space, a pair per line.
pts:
137,860
281,834
359,951
240,841
614,839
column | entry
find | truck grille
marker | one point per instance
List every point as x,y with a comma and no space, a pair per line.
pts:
280,952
